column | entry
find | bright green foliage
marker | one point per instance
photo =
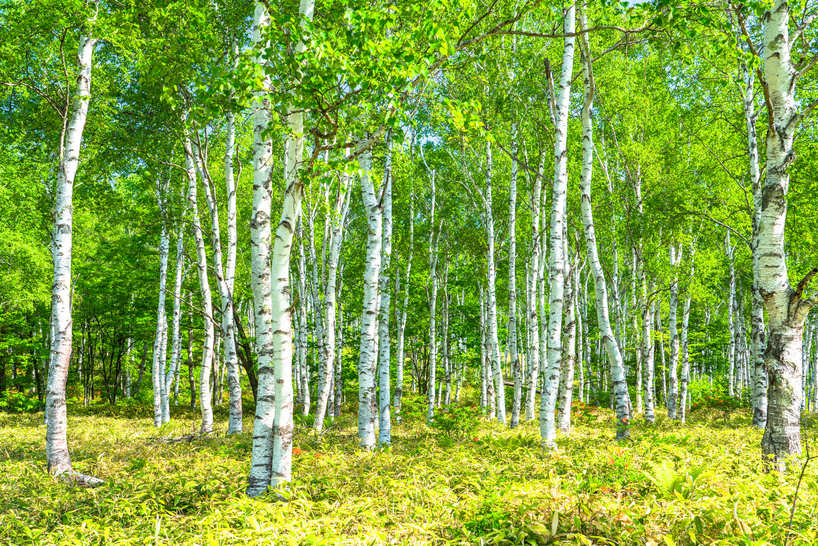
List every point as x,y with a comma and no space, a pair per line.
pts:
674,485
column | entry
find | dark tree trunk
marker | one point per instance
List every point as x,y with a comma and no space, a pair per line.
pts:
141,368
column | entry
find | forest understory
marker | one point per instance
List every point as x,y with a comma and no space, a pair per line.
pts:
461,481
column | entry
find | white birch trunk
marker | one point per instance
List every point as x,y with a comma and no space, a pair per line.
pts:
681,411
367,409
404,314
535,293
491,298
231,359
757,329
330,299
176,335
557,267
512,285
647,346
205,393
56,438
673,373
570,336
261,281
786,308
731,320
617,367
160,393
384,342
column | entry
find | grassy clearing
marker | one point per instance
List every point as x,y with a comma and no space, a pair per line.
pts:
460,482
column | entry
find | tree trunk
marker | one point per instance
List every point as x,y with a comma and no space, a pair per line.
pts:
330,304
231,358
566,393
260,279
673,373
491,293
160,393
56,438
786,308
757,330
617,367
681,412
557,267
367,409
384,357
403,313
205,394
533,284
512,285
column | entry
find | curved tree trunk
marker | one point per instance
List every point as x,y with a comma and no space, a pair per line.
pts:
617,367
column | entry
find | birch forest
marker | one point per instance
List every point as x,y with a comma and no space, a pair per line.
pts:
408,272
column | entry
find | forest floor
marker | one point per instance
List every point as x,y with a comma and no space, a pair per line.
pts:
465,480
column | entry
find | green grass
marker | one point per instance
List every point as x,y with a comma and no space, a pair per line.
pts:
459,482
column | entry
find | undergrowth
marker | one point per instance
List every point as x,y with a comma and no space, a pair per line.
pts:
462,480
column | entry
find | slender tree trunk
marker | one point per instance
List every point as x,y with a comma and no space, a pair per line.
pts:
491,294
532,285
339,379
635,324
367,409
445,350
570,336
205,394
330,293
384,342
160,393
404,314
512,285
617,367
647,347
731,321
432,296
176,334
557,259
757,329
56,438
681,412
231,358
673,394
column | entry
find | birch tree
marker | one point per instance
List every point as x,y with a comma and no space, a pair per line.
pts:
787,308
512,285
56,437
261,281
367,408
403,313
160,393
556,280
384,343
609,340
205,392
